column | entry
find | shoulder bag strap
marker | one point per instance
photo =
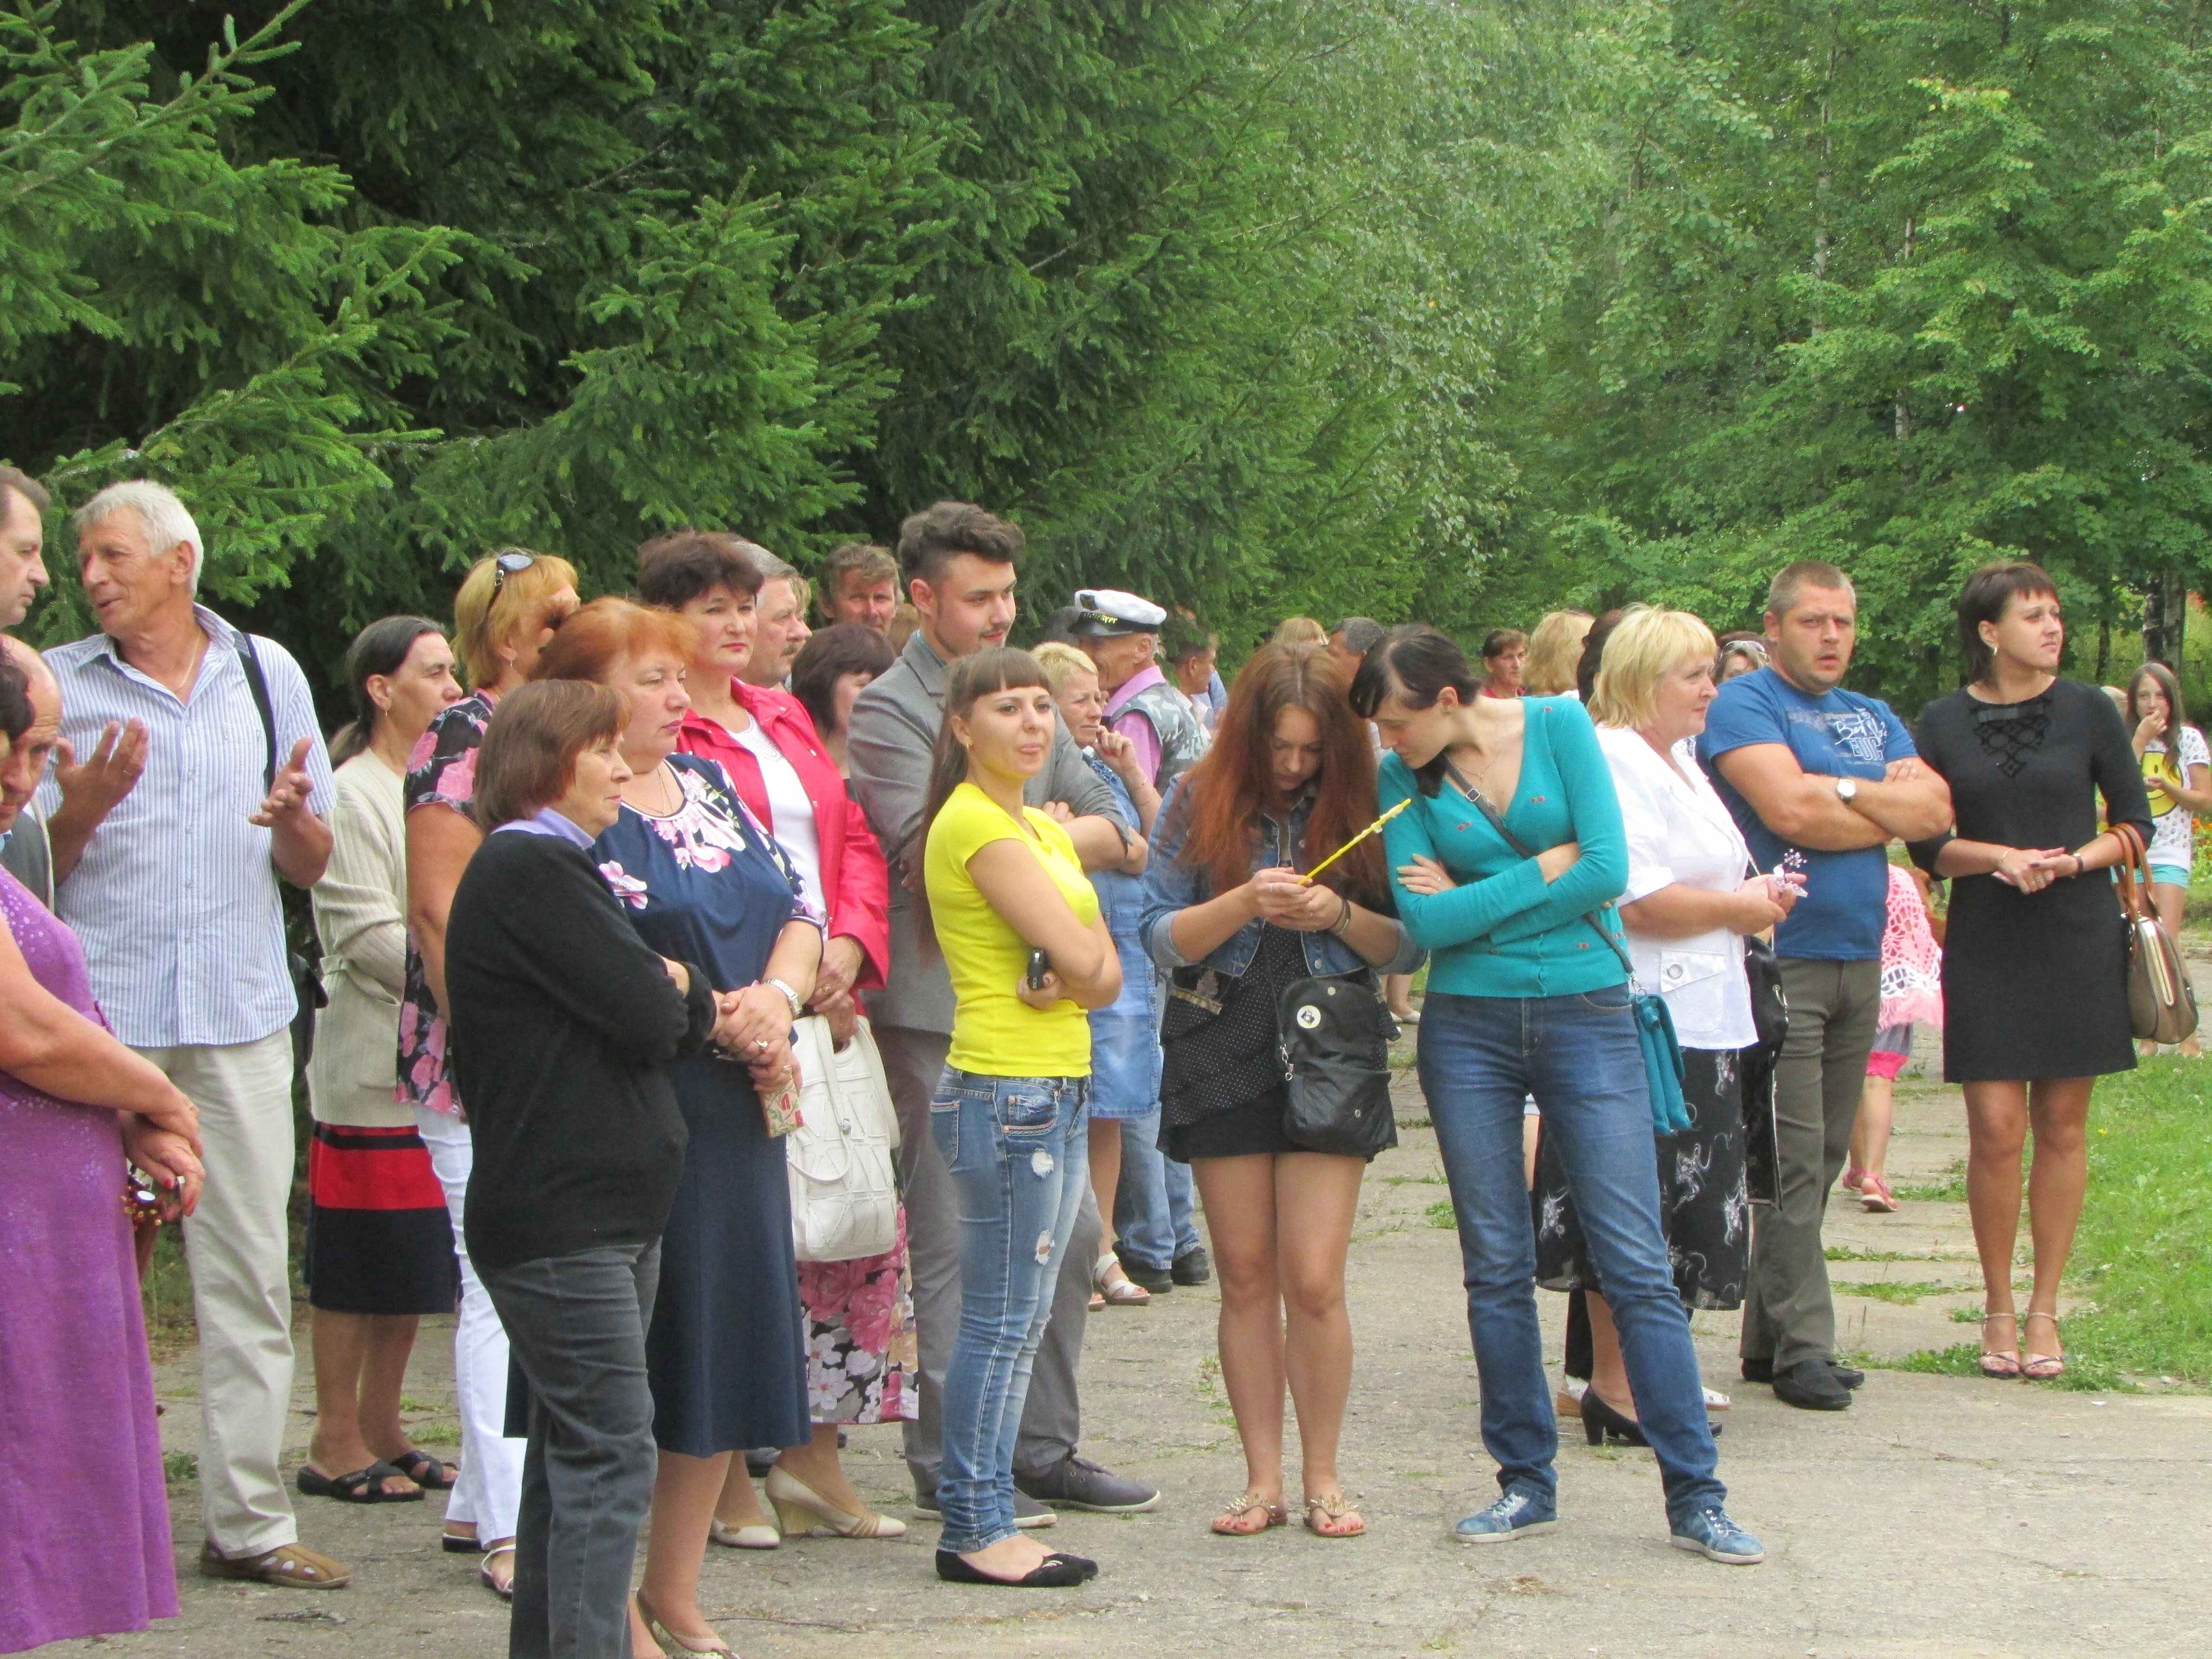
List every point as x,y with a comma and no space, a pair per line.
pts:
257,683
1596,918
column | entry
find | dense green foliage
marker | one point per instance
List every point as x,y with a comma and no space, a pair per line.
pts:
1405,307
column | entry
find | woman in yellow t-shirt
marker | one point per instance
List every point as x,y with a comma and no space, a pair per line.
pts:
1003,881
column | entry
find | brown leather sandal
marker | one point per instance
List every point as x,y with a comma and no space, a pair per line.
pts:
292,1564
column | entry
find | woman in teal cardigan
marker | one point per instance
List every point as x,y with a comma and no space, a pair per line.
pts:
1527,996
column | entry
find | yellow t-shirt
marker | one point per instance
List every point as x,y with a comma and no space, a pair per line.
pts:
994,1032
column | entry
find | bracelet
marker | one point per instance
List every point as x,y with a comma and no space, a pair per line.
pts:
2081,865
789,996
1343,917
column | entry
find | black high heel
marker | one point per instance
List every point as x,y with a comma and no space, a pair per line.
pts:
1058,1571
1602,1423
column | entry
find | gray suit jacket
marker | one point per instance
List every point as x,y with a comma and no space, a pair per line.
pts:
888,744
29,855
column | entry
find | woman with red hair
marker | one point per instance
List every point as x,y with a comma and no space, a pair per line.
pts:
1290,779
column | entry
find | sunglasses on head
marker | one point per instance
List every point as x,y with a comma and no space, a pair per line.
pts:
509,564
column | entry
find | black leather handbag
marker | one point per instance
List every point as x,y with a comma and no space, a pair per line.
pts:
1770,1019
1335,1040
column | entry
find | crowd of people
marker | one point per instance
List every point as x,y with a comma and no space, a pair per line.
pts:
1123,945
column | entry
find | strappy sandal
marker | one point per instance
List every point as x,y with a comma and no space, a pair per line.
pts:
1336,1507
505,1592
289,1564
1248,1504
362,1486
1107,1280
2043,1367
2004,1367
426,1471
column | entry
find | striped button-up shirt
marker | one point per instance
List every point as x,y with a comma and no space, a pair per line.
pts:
176,898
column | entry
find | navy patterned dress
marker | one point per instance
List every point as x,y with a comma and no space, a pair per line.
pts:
725,1353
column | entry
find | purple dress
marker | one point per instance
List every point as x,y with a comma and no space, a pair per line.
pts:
87,1548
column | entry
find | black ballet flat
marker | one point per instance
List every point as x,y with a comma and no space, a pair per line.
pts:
1058,1571
1602,1426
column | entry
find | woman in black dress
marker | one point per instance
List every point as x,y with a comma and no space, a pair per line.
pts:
2036,1004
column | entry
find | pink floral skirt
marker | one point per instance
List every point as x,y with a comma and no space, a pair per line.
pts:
861,1353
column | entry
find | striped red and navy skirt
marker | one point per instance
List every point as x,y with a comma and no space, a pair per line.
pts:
379,1240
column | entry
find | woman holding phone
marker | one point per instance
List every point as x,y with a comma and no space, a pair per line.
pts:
1028,953
1290,779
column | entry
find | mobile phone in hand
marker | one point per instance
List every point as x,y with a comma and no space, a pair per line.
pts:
1040,965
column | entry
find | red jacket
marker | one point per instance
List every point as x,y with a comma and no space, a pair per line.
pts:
855,883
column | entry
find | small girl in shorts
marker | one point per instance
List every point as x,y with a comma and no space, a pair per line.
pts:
1912,995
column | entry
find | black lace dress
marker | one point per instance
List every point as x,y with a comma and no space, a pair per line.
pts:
2033,984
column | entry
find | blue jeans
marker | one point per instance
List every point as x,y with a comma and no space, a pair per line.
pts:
1579,1055
1153,1205
1018,1152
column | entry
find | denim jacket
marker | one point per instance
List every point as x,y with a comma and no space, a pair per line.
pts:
1170,885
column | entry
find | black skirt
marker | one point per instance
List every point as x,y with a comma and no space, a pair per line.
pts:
379,1238
1704,1210
1246,1131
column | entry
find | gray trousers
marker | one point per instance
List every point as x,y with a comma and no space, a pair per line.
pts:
576,1325
1787,1314
1052,1420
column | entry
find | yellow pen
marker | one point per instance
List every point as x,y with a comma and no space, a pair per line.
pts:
1357,839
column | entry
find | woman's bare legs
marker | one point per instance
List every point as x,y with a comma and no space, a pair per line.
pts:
2173,903
2058,1110
1870,1134
685,1490
1997,1128
1283,1316
1105,1175
818,1465
1609,1374
360,1361
740,1504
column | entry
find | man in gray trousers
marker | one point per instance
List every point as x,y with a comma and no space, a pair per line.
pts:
958,564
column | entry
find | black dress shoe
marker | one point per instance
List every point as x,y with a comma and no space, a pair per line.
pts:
1811,1386
1762,1370
1193,1267
1602,1424
1157,1280
1056,1571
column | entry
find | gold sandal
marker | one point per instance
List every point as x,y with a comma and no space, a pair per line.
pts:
1224,1522
1995,1362
292,1564
2042,1367
1337,1507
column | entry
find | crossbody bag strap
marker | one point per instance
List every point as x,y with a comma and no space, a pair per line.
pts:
1595,918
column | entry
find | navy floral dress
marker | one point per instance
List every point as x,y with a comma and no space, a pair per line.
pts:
725,1353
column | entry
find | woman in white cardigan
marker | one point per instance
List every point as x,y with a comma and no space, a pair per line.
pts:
1687,906
380,1243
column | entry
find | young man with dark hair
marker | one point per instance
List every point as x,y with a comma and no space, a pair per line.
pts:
959,563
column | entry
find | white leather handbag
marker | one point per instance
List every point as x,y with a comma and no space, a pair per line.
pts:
844,1195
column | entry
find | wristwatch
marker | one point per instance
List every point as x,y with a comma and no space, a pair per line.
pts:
789,995
1847,789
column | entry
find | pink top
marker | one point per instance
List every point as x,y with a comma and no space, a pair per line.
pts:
1911,960
1133,724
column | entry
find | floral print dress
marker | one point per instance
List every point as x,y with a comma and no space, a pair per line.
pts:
440,772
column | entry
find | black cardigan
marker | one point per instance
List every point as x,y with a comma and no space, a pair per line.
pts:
562,1019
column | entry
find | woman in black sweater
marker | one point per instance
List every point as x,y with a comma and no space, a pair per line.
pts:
2035,1007
562,1020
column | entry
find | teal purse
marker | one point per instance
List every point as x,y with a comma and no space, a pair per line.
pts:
1655,1024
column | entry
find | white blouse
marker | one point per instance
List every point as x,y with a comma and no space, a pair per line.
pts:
790,812
1678,832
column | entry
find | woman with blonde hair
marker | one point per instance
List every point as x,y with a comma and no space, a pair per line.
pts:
1685,911
1298,630
1555,652
508,607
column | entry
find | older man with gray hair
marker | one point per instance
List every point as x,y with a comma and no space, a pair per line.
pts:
779,622
175,897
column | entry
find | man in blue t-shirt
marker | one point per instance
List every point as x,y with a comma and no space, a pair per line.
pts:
1822,779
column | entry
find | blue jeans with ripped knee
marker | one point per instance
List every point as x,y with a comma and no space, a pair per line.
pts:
1019,1150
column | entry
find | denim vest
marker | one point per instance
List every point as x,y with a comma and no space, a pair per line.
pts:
1170,885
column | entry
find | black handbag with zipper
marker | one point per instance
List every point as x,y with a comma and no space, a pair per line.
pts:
1336,1059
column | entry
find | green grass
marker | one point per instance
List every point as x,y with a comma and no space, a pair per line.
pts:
2083,1375
1949,1187
167,1294
1852,1253
1439,1214
1899,1290
179,1468
2143,1256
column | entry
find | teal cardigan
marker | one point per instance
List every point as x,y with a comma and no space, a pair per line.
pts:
1503,931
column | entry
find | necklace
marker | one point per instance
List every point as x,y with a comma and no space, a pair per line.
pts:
668,788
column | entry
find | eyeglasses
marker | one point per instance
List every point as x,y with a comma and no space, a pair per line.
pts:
509,564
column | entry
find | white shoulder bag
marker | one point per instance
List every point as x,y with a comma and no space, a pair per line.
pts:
844,1196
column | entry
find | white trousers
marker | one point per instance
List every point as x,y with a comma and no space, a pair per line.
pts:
489,1490
236,1245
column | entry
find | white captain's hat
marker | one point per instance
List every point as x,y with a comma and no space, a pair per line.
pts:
1105,612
